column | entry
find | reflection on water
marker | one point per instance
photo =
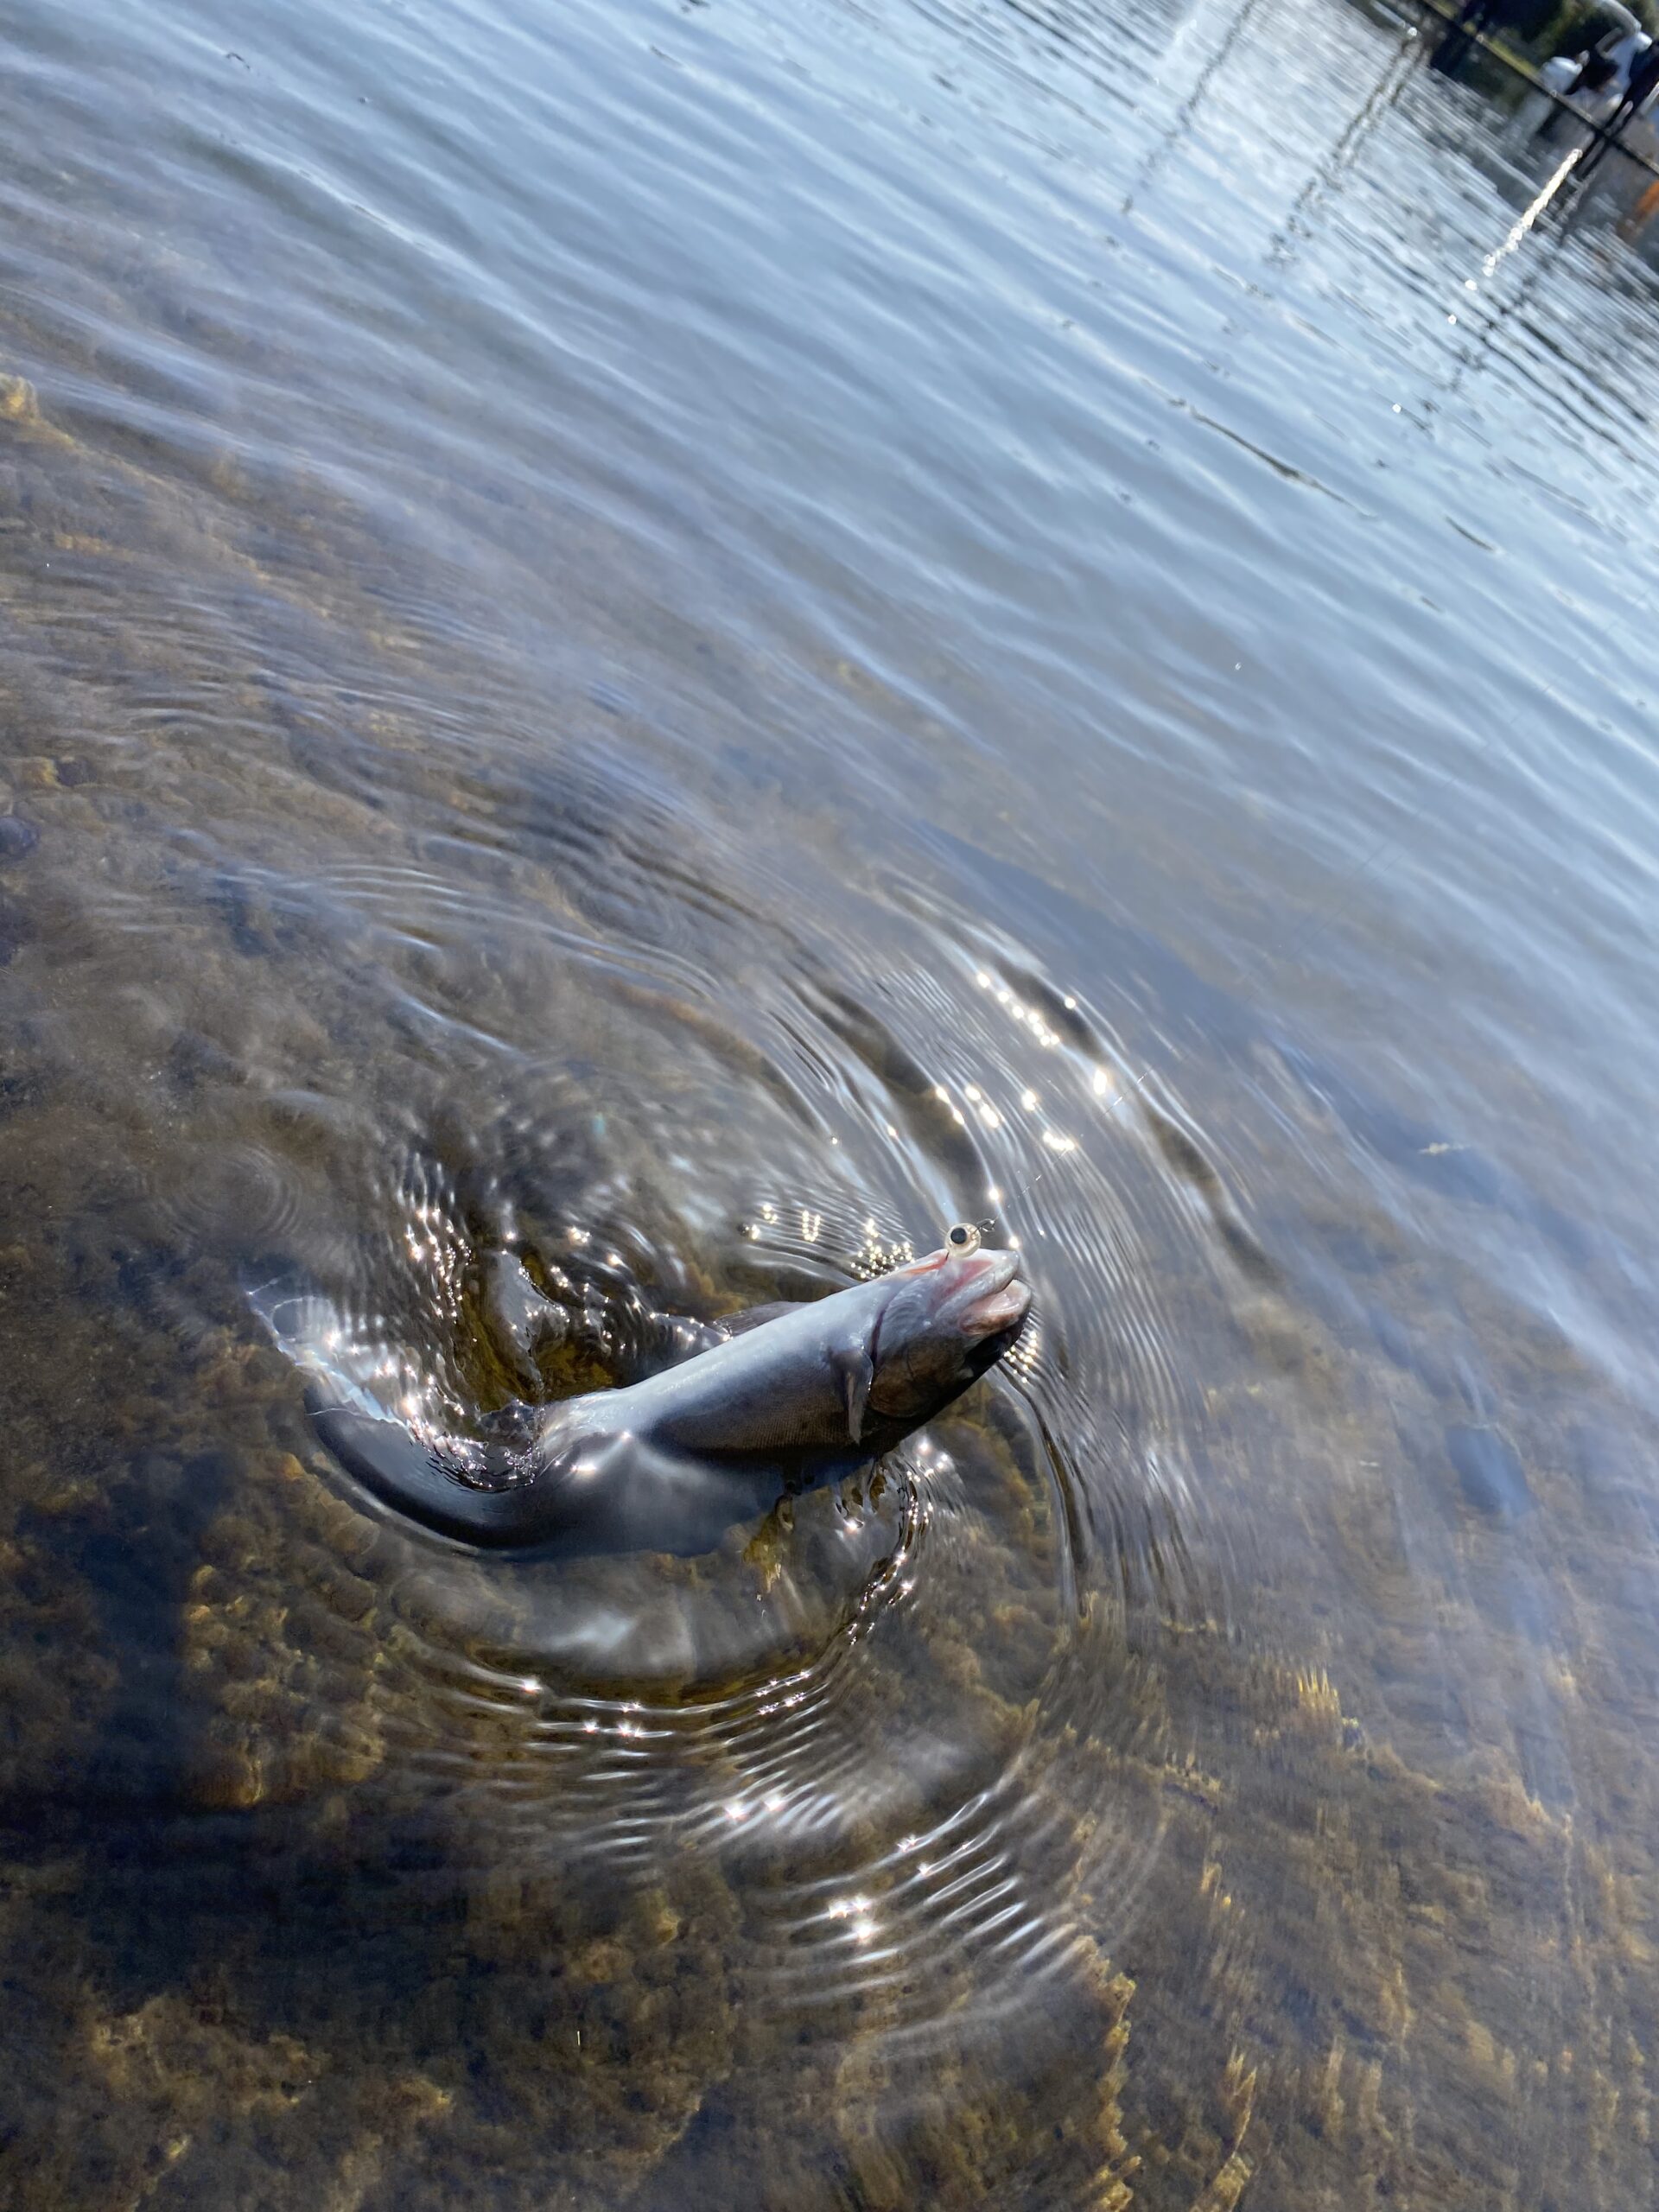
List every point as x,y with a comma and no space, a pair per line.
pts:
674,645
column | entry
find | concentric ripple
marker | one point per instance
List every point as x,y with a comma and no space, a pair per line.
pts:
889,1715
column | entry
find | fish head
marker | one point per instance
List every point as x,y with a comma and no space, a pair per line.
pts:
947,1318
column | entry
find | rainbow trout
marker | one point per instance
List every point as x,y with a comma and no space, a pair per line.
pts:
787,1397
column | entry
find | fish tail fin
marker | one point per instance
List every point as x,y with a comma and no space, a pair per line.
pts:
466,1491
474,1492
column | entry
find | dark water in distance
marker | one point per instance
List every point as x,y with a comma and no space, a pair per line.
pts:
690,641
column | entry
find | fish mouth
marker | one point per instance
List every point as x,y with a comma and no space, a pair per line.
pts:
997,1299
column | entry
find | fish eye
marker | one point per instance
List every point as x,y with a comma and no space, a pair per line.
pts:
964,1237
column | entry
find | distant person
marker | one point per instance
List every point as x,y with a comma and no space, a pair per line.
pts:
1473,19
1599,68
1640,83
1594,81
1643,84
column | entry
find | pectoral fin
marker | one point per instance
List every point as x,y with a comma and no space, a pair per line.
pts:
853,1365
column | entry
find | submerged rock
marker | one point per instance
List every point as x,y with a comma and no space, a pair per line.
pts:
17,837
1489,1472
16,929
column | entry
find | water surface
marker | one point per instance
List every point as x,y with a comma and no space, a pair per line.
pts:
688,642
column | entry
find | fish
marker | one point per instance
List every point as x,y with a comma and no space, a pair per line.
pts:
782,1399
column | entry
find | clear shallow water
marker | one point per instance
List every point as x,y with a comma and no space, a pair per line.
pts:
687,642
